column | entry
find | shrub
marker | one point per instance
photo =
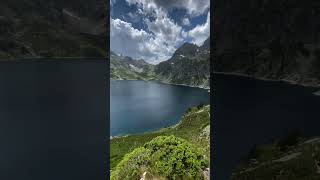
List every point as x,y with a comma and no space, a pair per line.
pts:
130,166
164,156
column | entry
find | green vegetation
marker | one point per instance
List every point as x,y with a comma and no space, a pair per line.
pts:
194,127
164,156
288,159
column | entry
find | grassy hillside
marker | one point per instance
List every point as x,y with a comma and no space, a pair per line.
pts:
289,159
164,157
193,127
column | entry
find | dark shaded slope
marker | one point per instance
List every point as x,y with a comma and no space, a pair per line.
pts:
276,39
52,28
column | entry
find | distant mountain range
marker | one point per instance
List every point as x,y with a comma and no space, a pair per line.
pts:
53,28
126,68
275,39
189,65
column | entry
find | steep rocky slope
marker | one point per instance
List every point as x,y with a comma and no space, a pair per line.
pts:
189,65
52,28
275,39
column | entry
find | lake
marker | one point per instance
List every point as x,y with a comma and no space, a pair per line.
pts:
248,111
144,106
53,119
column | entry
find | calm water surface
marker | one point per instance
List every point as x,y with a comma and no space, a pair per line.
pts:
53,120
139,106
248,112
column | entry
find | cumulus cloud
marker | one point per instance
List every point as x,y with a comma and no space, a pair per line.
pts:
186,22
154,47
200,33
165,29
193,7
161,36
112,2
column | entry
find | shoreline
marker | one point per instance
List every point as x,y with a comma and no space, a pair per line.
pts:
163,82
268,79
154,131
186,85
147,132
161,129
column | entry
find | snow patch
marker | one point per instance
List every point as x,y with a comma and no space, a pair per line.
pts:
136,69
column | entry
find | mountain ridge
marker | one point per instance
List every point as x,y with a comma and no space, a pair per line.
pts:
189,65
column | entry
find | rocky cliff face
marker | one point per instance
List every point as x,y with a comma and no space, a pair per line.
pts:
52,28
272,39
189,65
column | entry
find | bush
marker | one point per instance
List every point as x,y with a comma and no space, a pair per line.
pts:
131,164
164,156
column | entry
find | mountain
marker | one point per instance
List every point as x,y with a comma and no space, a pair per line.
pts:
189,65
52,28
124,67
274,39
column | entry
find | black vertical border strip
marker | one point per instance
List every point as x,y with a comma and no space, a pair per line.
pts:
212,132
107,81
104,61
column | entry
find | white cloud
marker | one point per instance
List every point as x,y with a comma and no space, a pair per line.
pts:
161,37
165,29
186,22
152,47
193,7
200,33
112,2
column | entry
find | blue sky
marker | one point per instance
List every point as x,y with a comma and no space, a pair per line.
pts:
153,29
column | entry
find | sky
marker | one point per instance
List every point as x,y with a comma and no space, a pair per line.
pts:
153,29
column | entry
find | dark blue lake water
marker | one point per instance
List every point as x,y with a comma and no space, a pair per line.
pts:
53,120
248,112
140,106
